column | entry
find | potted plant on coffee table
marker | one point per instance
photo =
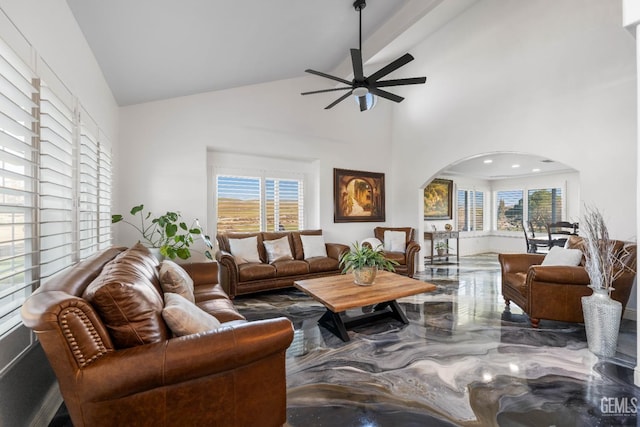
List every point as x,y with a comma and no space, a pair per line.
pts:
167,233
365,261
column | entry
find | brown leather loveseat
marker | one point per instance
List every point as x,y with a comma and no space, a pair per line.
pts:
254,262
553,292
101,325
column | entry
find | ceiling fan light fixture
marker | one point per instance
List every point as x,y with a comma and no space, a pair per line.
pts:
360,91
368,103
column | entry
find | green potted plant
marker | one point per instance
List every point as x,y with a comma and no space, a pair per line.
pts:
442,248
168,232
365,261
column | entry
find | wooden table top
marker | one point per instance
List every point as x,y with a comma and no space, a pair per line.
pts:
340,293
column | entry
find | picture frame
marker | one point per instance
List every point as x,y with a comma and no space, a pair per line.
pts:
438,199
358,196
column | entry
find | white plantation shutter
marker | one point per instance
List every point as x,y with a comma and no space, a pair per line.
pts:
88,207
18,172
56,182
104,193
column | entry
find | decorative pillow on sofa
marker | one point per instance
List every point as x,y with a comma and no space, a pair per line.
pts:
245,250
129,305
562,256
395,241
174,279
184,317
278,249
313,246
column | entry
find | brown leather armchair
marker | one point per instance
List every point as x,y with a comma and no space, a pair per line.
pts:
406,260
554,292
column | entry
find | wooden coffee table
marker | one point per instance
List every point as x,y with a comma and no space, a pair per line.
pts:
339,293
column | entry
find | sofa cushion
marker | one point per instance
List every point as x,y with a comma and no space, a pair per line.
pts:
562,256
255,271
395,241
291,267
313,246
245,249
209,291
298,252
399,257
322,264
174,279
129,305
142,257
278,249
184,317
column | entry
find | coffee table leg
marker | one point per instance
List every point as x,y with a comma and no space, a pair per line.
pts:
397,312
333,322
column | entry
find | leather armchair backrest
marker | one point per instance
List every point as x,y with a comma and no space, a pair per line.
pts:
378,232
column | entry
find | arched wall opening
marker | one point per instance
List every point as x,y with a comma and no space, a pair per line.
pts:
485,190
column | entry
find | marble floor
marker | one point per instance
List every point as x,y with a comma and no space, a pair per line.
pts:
461,361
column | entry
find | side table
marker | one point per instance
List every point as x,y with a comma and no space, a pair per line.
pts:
442,235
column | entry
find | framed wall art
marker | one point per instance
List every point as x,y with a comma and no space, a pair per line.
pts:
437,199
358,196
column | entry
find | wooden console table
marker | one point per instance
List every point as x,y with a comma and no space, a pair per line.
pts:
442,235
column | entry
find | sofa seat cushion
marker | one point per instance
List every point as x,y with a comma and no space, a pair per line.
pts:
222,309
207,292
256,271
398,257
322,264
291,268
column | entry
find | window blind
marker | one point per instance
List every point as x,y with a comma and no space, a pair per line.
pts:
18,172
509,210
544,206
56,182
88,197
478,199
104,193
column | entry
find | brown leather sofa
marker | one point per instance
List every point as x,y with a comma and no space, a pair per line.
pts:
249,277
406,260
554,292
230,376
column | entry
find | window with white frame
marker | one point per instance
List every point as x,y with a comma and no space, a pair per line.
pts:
47,163
470,205
259,203
509,210
540,207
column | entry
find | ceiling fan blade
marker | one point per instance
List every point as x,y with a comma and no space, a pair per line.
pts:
328,76
342,98
400,82
356,60
384,94
404,59
363,103
325,90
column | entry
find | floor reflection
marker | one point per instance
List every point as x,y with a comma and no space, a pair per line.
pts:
462,360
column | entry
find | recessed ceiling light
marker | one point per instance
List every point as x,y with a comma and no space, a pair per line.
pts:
535,170
487,161
515,166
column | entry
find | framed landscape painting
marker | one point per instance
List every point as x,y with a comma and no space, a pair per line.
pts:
437,199
358,196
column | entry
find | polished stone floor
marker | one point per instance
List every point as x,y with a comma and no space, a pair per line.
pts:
461,361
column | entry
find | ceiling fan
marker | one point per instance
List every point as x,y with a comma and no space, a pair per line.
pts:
365,87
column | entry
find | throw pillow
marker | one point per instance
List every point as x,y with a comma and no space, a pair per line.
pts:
562,256
376,244
185,318
245,250
395,241
313,246
278,249
174,279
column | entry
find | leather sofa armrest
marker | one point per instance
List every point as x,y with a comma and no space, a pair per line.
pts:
561,274
138,369
335,250
519,263
202,273
229,275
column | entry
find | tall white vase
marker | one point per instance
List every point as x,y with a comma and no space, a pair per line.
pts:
601,322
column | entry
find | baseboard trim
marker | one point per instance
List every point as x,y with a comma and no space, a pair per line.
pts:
630,314
49,407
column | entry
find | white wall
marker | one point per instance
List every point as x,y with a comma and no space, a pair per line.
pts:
556,79
165,163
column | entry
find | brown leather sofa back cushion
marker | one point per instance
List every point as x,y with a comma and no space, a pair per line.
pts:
126,296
